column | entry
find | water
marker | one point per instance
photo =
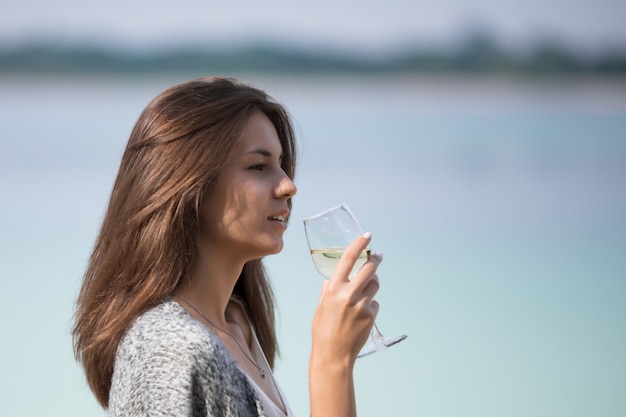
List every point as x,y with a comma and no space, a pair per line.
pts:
500,206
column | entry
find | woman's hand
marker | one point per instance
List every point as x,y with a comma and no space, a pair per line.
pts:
347,309
341,325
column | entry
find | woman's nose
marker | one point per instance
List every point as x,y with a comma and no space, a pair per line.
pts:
286,187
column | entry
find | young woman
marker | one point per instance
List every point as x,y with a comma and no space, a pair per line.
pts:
175,316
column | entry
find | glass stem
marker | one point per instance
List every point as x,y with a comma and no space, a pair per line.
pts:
376,334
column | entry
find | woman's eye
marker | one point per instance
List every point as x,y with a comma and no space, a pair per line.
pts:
258,167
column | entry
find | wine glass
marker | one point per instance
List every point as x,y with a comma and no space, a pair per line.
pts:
329,233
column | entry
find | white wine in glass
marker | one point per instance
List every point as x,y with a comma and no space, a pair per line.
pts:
329,233
326,260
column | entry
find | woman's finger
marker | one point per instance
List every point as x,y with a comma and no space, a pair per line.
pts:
371,288
367,271
350,257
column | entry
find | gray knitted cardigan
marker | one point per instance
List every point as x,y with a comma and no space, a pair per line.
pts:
169,364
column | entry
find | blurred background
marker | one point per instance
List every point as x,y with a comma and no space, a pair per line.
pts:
482,142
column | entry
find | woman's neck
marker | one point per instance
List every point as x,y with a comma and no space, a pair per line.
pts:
211,285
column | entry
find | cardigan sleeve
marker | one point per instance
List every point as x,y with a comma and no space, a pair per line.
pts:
170,365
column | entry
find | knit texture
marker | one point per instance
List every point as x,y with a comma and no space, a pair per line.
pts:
169,364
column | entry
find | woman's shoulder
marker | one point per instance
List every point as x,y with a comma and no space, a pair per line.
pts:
169,361
167,325
167,318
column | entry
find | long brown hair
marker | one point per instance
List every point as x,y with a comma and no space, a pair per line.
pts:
146,246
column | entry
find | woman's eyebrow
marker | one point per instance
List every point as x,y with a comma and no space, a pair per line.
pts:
260,151
264,152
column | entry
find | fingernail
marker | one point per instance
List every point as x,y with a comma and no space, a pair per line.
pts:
379,254
367,235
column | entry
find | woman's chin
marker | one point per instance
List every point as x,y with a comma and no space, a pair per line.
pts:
270,249
276,247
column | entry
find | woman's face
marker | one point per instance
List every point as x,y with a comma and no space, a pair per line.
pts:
245,214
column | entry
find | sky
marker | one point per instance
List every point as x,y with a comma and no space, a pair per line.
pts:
363,25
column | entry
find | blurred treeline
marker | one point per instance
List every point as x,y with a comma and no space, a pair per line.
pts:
476,54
